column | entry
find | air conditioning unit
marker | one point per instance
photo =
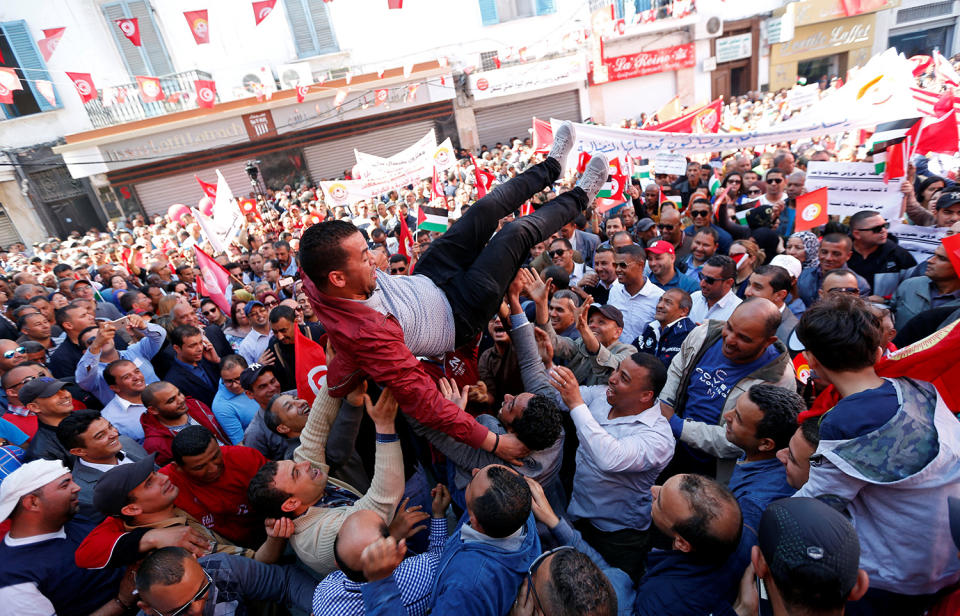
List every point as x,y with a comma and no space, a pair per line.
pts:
711,27
293,75
251,81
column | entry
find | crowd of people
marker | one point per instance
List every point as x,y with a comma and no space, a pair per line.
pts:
563,412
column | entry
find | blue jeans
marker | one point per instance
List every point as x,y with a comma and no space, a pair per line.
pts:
474,270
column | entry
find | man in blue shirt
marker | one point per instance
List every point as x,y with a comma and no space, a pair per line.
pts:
100,350
761,423
702,213
663,272
709,550
717,363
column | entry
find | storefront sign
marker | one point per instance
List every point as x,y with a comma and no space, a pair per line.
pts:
175,142
825,39
734,47
649,62
259,125
527,77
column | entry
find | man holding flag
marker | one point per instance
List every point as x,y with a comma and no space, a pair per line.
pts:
379,324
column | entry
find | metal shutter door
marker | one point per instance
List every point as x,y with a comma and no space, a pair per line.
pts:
158,195
8,233
505,122
329,159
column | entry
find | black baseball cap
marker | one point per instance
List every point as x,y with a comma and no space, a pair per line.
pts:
802,538
42,387
948,199
249,376
111,494
610,312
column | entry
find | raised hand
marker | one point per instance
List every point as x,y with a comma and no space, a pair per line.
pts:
405,521
381,557
441,500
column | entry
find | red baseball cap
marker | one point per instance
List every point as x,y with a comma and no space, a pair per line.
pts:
661,247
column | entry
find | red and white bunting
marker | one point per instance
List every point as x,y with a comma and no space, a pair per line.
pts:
262,9
199,25
150,89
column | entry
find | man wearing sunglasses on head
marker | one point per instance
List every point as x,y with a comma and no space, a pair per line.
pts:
880,260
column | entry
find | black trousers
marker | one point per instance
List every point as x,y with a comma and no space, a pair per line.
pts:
625,549
474,270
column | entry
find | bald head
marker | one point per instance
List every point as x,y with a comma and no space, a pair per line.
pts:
358,531
750,330
763,311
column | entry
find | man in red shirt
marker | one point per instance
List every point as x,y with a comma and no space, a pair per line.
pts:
213,484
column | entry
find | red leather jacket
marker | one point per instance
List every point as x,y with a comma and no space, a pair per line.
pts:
368,343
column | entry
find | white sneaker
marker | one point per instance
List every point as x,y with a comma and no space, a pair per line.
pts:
594,176
563,141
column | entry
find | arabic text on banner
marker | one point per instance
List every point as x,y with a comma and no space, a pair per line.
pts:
854,187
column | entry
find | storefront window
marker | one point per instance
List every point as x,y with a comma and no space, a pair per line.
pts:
924,41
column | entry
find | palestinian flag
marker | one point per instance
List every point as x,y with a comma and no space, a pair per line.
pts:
891,133
432,218
713,185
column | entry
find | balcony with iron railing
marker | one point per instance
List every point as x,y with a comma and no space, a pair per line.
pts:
123,103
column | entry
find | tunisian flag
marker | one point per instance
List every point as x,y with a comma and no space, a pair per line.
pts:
542,135
482,177
213,281
209,189
206,92
406,239
939,135
199,26
262,9
311,367
131,29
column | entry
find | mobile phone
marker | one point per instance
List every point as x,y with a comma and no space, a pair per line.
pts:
286,282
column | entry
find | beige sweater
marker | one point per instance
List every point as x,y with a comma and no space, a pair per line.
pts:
315,531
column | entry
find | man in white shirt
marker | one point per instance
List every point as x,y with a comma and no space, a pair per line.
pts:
625,442
255,343
715,299
633,293
124,410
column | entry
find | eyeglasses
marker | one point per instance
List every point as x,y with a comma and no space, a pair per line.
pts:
14,352
774,180
697,213
733,181
556,253
186,606
534,566
665,227
270,303
877,229
846,290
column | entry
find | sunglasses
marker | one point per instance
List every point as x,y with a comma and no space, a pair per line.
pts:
877,229
733,181
398,270
774,180
698,213
25,380
270,303
197,597
754,192
14,352
846,290
709,279
534,566
665,227
556,253
210,311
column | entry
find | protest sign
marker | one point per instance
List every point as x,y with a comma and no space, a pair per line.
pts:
670,162
803,96
921,242
854,187
418,153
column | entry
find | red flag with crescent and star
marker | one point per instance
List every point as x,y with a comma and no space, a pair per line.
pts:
206,93
131,29
310,366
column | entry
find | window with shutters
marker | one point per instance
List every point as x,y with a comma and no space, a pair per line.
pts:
310,24
498,11
37,92
151,57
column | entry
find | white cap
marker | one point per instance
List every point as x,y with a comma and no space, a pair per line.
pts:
789,263
26,479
